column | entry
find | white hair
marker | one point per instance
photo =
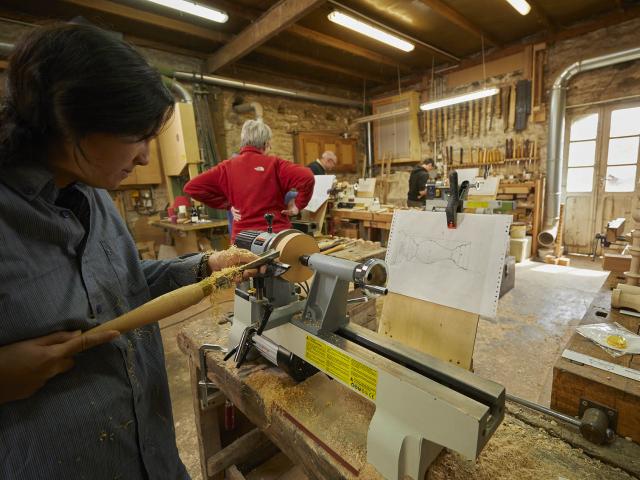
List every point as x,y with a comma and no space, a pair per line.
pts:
329,155
255,133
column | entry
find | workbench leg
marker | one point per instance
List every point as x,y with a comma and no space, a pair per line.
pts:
185,242
207,426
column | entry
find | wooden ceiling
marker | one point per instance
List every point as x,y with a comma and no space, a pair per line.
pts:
294,37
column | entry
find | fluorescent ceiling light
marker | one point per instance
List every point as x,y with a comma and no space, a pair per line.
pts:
467,97
194,9
522,6
370,31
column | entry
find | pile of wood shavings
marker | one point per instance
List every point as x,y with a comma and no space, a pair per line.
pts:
273,384
520,451
223,278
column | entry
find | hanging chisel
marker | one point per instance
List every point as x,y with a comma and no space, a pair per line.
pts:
445,114
512,107
505,107
492,104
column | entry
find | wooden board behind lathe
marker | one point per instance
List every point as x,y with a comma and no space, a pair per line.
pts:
443,332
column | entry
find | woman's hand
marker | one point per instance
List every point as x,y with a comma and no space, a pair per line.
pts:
231,258
26,366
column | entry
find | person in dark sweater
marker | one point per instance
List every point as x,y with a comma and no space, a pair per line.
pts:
417,180
326,163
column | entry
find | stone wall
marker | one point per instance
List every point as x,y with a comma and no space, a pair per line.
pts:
285,116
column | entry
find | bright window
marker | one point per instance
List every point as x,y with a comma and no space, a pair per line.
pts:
622,155
582,153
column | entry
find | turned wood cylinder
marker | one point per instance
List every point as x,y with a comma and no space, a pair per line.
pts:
156,309
628,288
622,299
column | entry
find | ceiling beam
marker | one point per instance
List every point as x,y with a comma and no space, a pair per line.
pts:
546,20
277,18
609,19
251,14
312,62
105,6
255,72
460,20
334,42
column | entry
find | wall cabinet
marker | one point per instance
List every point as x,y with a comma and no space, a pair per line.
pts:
308,146
149,174
178,140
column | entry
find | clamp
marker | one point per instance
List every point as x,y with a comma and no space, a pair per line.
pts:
207,390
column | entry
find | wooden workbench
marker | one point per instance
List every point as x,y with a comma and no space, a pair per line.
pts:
573,382
322,426
185,235
371,225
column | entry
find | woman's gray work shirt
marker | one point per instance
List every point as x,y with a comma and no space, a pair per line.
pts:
109,417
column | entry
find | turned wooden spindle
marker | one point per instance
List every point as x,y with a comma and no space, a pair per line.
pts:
624,299
633,275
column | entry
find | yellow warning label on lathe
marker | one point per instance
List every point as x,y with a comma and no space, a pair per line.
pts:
341,366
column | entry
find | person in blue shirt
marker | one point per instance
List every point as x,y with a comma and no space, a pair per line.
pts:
80,109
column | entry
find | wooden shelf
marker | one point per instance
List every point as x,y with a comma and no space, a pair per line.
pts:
501,162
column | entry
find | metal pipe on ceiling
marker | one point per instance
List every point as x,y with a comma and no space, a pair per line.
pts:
557,110
263,88
249,107
381,116
5,49
178,89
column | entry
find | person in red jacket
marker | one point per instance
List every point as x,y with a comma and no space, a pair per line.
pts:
254,183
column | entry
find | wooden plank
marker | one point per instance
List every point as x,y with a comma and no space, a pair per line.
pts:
277,18
444,332
238,451
334,42
460,20
149,18
546,20
251,14
188,227
313,62
232,473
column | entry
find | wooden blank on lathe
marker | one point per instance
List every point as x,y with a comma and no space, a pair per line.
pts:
443,332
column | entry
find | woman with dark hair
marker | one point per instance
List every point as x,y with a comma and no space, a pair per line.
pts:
80,109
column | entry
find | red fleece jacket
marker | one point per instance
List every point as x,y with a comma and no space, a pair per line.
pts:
255,184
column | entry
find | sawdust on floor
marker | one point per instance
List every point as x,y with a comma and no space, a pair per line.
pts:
520,451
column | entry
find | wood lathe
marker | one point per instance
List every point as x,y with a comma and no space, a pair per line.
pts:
422,404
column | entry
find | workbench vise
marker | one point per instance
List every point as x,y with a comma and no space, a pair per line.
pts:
422,403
